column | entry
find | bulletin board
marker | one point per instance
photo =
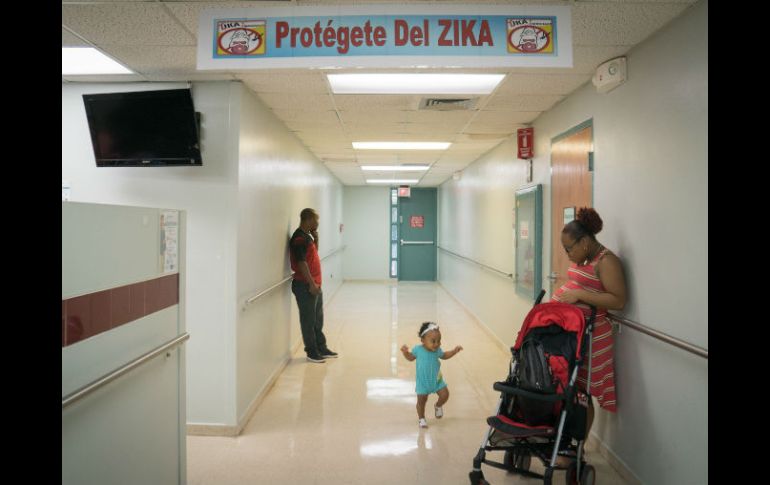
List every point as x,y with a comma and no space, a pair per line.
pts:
529,241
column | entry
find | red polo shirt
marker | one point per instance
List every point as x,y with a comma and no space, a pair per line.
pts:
303,248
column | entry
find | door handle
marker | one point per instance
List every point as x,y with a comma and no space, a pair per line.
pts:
553,276
415,243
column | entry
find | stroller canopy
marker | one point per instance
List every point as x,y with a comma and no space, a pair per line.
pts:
567,316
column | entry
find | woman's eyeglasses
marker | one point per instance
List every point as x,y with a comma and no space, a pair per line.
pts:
569,248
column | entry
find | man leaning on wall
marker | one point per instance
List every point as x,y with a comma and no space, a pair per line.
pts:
306,286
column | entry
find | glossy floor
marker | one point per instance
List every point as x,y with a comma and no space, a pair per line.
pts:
352,420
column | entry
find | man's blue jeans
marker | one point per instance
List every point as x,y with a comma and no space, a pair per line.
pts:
311,317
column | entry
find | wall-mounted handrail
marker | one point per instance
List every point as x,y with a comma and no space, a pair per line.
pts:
111,376
285,280
502,273
334,252
661,336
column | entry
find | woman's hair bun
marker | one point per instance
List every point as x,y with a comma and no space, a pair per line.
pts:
589,219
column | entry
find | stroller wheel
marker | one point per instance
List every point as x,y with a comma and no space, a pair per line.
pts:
548,476
477,478
571,477
588,475
521,460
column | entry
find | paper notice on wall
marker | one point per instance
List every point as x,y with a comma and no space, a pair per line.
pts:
524,230
169,240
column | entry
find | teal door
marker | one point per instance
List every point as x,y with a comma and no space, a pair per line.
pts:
417,235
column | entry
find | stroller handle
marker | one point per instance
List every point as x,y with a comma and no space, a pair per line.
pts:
540,297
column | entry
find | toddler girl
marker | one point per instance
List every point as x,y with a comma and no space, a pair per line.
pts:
428,374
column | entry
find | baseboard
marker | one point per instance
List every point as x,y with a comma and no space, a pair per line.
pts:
593,442
503,346
223,430
211,430
366,280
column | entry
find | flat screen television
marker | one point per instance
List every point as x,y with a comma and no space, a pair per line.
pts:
144,128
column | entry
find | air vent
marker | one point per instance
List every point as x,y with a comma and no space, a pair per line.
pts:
444,104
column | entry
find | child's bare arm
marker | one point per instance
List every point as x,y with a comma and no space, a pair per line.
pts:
405,350
451,353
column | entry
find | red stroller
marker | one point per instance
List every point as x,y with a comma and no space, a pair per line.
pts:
548,419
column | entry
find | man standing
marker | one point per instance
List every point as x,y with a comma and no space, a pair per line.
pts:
306,286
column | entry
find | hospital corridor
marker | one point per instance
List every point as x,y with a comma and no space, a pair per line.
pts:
373,242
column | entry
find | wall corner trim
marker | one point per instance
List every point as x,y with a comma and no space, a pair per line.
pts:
593,442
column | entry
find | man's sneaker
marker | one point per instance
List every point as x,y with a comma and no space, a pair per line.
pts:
439,412
328,354
423,423
315,358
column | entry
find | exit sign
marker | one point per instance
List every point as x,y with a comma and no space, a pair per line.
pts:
404,191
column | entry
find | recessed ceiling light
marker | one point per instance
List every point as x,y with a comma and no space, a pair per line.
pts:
400,145
87,60
395,168
391,181
414,83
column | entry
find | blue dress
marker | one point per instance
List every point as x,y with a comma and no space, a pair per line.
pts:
428,374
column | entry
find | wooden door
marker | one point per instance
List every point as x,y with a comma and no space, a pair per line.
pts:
571,186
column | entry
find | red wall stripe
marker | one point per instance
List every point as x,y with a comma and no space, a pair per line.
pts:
88,315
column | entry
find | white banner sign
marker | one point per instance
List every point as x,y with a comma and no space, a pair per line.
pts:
440,35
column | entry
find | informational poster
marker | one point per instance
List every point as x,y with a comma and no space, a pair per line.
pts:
417,221
169,240
524,230
569,215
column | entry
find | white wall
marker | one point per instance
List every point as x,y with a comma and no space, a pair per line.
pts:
367,233
278,177
650,187
475,221
209,195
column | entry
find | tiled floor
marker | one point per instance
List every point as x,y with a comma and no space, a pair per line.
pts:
352,420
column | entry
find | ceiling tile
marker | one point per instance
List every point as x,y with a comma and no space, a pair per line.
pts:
561,84
527,102
168,60
365,117
369,103
620,23
297,101
327,117
273,82
147,24
69,39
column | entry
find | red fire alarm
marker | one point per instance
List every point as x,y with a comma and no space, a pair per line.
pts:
525,138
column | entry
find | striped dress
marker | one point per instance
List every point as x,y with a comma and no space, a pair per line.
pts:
603,371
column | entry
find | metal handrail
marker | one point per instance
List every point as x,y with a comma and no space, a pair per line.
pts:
286,279
503,273
623,321
661,336
107,378
263,292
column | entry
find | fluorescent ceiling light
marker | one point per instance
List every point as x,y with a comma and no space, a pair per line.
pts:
391,181
395,168
400,145
414,83
87,60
